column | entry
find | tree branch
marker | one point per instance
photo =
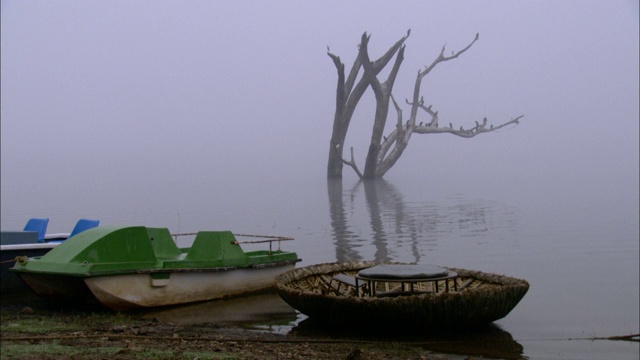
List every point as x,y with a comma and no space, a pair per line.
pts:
393,136
468,133
384,59
399,137
442,57
352,163
383,154
353,74
340,91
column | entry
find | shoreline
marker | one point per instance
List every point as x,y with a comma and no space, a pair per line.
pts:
31,328
34,332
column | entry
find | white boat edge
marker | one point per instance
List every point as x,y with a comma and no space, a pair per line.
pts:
56,236
34,246
51,241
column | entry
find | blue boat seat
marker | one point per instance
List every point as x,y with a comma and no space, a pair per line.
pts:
84,224
38,225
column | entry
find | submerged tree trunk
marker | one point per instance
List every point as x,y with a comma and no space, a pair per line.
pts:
384,151
348,94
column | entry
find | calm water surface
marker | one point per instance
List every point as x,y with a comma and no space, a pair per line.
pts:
580,252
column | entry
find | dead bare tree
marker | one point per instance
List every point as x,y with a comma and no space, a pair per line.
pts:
384,151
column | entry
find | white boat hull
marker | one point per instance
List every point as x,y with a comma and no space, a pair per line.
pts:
124,292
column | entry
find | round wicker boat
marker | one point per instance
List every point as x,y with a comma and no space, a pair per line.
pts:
480,298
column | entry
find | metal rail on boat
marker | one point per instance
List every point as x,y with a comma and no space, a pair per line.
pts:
267,238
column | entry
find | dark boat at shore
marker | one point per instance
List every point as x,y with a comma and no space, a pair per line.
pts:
33,241
342,294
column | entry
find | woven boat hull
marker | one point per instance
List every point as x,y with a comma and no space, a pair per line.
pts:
491,298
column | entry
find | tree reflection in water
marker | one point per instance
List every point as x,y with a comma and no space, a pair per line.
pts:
398,229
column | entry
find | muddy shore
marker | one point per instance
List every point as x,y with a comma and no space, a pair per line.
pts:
32,329
30,333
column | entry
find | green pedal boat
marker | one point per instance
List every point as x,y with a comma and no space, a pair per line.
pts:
133,267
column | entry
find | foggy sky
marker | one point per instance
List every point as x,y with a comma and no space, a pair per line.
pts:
104,94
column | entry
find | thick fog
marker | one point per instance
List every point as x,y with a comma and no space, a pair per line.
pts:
104,97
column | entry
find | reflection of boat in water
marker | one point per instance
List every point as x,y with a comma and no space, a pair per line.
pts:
137,267
453,299
487,341
259,308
